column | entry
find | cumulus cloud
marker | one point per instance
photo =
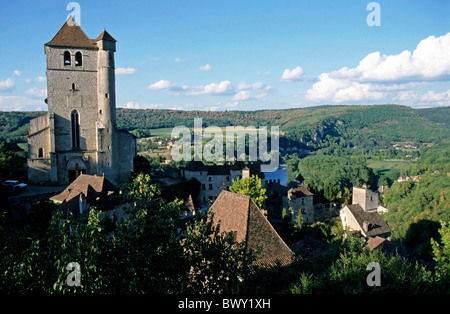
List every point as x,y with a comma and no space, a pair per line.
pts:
37,93
178,60
135,105
125,71
378,75
222,88
267,73
293,75
20,103
206,67
254,86
40,79
17,72
7,85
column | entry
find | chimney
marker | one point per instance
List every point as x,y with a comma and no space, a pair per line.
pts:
365,226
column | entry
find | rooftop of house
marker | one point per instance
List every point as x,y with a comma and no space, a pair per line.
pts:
297,190
239,214
370,223
224,169
94,189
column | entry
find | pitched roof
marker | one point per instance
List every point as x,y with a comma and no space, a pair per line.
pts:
239,213
105,36
71,35
90,185
375,224
298,190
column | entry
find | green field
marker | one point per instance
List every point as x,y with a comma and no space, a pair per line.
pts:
389,164
166,132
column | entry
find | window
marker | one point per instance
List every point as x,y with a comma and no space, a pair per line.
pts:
67,58
40,152
228,178
78,59
73,86
303,201
210,178
75,125
210,186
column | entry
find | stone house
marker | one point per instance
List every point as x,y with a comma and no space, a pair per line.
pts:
86,191
216,178
362,216
78,134
300,201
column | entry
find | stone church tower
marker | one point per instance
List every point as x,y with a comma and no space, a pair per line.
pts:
79,133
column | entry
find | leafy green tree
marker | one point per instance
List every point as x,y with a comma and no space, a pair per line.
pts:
251,186
441,253
218,263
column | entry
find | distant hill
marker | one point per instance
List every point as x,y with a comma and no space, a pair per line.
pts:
376,125
439,115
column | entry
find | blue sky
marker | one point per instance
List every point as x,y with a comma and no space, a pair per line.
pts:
241,55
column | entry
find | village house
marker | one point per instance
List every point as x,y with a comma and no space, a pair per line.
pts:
362,215
239,214
216,178
86,191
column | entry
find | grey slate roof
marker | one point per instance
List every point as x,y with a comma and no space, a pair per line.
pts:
376,225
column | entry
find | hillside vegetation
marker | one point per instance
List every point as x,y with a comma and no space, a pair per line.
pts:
317,127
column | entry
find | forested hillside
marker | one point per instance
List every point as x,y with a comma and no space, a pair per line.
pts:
317,127
437,115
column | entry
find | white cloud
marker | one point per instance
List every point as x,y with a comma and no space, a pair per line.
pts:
267,73
223,88
206,67
135,105
17,72
178,60
125,71
40,79
7,85
19,103
242,95
293,75
378,76
254,86
163,85
37,93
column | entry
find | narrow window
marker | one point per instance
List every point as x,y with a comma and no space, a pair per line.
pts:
66,58
75,123
106,95
210,186
78,59
40,152
73,86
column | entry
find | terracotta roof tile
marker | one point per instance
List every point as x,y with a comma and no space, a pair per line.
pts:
239,213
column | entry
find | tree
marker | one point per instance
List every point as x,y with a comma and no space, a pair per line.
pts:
441,253
218,264
251,186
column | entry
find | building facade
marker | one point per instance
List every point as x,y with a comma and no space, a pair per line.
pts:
78,135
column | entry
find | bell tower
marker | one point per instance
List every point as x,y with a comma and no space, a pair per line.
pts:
79,133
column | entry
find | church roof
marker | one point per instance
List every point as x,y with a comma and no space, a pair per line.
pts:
71,35
105,36
239,213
